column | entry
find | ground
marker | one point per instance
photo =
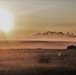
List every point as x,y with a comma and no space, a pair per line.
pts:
37,62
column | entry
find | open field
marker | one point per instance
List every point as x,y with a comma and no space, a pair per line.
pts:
37,62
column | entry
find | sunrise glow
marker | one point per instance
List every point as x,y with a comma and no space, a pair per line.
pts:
6,20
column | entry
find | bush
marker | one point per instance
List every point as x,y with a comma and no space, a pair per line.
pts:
42,58
71,47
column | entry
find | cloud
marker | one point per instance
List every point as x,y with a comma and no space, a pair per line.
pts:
54,36
69,34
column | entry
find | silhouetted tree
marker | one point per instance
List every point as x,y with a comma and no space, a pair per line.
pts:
71,47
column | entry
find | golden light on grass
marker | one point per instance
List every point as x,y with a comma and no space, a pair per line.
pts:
6,20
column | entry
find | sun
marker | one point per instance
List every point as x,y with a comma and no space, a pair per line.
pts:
6,20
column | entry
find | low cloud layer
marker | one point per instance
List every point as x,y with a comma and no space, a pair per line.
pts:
54,36
69,34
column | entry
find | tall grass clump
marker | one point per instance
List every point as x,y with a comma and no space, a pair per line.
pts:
43,58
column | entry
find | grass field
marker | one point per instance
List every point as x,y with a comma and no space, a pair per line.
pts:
37,62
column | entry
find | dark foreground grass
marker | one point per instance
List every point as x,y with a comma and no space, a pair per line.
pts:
37,70
38,64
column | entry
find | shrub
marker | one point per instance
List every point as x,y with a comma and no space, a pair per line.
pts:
43,58
71,47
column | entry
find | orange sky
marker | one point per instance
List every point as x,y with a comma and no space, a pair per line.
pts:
32,16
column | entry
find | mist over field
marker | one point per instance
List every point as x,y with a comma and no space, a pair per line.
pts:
35,44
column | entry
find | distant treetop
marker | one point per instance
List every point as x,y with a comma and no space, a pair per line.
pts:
71,47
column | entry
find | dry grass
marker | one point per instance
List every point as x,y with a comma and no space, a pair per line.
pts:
37,62
38,70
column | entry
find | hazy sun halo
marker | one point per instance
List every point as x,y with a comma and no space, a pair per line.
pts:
6,20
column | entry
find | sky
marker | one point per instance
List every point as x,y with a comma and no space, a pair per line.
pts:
32,16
